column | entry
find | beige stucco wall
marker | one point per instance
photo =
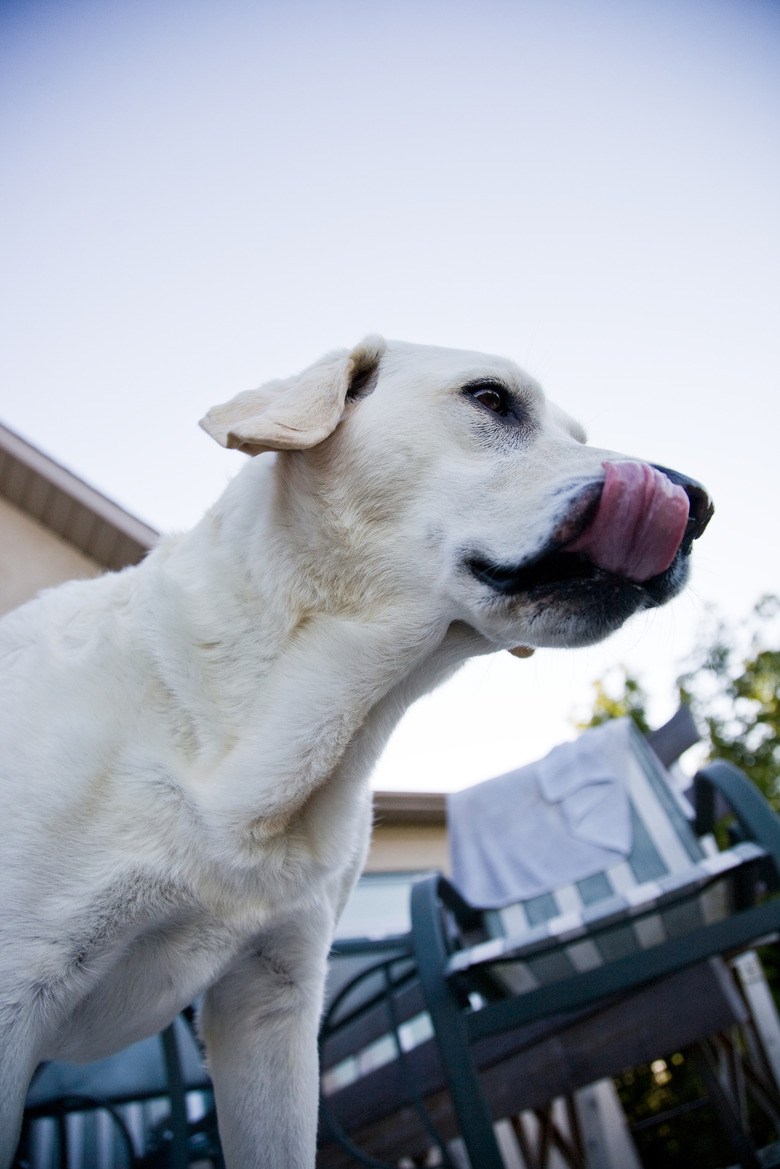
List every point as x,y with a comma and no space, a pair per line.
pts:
33,558
401,847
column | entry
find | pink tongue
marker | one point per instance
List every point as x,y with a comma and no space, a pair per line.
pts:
639,523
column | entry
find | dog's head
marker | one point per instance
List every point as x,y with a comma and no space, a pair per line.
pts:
447,475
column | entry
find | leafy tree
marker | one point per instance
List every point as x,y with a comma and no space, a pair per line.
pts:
618,695
734,690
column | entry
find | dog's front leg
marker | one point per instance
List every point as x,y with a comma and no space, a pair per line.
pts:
17,1065
259,1023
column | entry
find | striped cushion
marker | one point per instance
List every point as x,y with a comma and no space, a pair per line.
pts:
566,941
667,886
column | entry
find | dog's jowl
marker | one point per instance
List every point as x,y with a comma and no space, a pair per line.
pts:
186,744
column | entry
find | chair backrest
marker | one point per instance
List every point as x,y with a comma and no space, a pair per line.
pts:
662,841
665,884
599,804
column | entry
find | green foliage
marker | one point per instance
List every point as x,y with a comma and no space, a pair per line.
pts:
734,690
669,1086
615,697
673,1123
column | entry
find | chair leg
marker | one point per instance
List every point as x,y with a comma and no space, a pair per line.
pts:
606,1139
578,1144
545,1126
551,1136
468,1098
571,1147
177,1098
763,1027
524,1144
62,1137
725,1110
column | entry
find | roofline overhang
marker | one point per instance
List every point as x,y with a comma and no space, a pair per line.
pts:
69,507
393,807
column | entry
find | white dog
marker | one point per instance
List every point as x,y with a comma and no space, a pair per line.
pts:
186,744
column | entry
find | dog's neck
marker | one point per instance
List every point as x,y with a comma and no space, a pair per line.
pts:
326,688
321,718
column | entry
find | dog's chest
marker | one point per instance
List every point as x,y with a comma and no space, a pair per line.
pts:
143,950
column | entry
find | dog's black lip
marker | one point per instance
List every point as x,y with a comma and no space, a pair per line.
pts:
556,571
552,564
550,569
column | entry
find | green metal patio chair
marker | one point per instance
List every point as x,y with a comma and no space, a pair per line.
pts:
670,907
479,1014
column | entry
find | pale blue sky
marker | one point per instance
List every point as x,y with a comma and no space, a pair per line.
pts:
198,196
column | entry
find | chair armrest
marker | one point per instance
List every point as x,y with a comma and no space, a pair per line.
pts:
433,940
756,818
467,916
394,944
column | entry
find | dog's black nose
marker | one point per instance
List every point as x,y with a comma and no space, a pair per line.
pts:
701,506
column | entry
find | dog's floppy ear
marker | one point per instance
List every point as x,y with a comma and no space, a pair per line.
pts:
298,412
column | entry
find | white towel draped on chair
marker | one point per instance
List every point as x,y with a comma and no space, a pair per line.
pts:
551,823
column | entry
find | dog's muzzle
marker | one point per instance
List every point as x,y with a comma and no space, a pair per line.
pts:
634,528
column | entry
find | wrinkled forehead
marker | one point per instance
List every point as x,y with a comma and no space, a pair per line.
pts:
451,367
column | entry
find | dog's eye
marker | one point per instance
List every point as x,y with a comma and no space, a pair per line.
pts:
492,395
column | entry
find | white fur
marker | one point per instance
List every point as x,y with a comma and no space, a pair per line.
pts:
186,745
